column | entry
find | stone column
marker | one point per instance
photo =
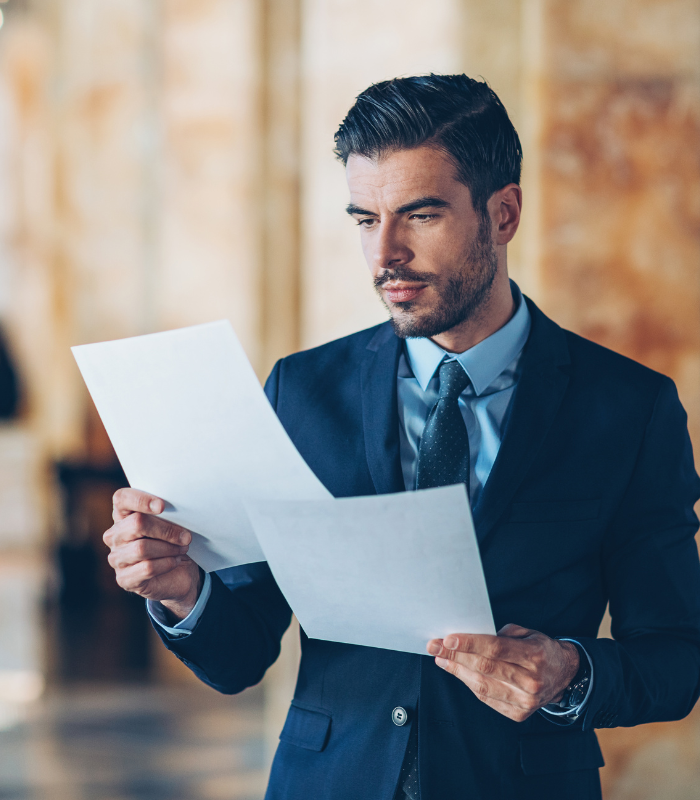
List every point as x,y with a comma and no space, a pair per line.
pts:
209,258
27,312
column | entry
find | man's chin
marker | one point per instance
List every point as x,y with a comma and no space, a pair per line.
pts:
409,325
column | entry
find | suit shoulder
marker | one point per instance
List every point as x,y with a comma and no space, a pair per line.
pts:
604,364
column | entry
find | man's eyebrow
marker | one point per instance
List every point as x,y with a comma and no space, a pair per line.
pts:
353,209
407,208
422,202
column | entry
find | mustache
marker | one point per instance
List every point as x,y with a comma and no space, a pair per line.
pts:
402,274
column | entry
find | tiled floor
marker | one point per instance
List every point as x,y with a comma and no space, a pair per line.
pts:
136,743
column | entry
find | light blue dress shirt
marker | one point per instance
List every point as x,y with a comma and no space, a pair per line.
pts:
186,625
493,367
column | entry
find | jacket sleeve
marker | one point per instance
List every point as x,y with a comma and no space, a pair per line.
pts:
237,637
650,670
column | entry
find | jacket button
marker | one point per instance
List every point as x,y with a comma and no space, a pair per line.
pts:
399,716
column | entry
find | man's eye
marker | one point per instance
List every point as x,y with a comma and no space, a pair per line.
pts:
367,222
423,217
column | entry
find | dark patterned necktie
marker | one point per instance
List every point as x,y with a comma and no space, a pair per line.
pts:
443,456
443,459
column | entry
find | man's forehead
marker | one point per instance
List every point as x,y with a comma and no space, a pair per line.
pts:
422,170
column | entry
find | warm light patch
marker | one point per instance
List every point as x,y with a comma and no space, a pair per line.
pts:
20,686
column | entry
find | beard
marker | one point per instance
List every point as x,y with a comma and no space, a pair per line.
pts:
461,295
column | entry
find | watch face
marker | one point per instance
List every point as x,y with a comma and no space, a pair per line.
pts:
578,693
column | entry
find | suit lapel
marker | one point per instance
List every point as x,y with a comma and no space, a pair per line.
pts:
540,391
380,415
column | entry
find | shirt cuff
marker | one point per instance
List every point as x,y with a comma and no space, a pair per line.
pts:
574,711
187,625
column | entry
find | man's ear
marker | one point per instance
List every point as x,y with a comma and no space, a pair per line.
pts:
504,207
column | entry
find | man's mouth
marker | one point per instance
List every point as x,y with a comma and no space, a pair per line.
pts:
401,291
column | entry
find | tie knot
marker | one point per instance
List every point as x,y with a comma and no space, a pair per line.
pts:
453,380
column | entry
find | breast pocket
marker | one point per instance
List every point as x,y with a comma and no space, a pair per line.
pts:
555,511
306,726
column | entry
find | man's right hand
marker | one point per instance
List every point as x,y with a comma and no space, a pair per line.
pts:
149,555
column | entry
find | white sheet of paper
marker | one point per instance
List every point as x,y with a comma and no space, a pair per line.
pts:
390,571
190,423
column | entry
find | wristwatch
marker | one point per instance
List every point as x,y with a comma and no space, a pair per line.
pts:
575,692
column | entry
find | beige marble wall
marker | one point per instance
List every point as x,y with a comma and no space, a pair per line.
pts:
621,122
619,244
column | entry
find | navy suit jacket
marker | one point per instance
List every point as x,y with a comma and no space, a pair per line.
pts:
590,501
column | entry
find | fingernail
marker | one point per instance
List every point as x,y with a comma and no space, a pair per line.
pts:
434,648
154,505
182,559
441,662
451,642
184,537
184,549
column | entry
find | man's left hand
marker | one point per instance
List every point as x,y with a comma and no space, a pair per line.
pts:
516,672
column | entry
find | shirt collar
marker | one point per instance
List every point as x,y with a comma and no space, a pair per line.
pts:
484,362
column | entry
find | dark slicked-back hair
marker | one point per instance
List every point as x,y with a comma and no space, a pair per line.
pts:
458,115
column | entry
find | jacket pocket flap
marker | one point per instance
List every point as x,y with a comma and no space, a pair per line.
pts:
306,727
557,511
541,754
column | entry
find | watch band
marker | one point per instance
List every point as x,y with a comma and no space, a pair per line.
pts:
575,692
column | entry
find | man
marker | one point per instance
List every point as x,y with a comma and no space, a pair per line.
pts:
579,470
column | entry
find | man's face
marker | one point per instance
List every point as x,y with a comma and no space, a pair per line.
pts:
431,255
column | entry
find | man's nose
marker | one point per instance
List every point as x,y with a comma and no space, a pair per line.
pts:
389,248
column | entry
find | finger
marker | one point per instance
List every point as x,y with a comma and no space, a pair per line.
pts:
143,550
506,672
501,648
137,577
127,501
485,687
139,526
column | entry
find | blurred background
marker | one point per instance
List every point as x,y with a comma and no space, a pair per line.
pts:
168,162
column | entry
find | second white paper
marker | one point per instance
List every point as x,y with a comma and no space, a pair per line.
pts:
390,571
